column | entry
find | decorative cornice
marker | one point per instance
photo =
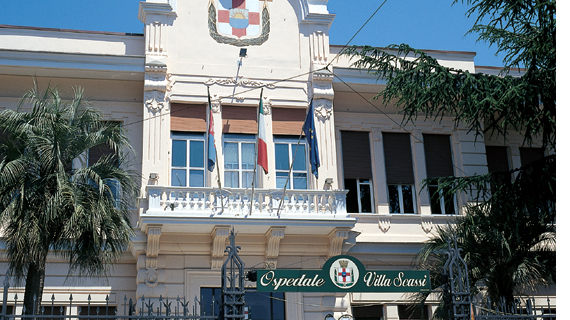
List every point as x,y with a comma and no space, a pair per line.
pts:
240,81
384,224
216,104
147,9
267,104
336,240
274,236
152,249
427,224
152,243
219,236
315,12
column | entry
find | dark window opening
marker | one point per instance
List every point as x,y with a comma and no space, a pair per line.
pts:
411,312
261,305
369,312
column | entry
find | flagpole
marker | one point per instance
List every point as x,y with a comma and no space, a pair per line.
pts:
216,163
256,153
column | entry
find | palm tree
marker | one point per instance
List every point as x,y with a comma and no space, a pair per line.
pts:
51,200
508,239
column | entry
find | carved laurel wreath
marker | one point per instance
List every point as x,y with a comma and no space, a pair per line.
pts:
238,42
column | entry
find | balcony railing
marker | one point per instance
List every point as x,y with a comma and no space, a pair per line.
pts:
238,202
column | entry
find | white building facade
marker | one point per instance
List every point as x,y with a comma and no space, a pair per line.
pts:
366,202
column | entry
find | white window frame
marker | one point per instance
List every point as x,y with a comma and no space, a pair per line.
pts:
441,201
240,140
188,137
292,145
369,183
401,198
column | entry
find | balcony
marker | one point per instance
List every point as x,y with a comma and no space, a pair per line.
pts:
185,209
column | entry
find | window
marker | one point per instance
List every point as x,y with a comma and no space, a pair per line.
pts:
262,305
357,171
411,312
439,163
529,155
95,153
9,309
368,312
92,311
399,172
287,149
188,159
52,311
239,160
498,162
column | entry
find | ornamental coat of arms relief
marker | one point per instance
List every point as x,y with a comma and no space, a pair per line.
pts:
239,22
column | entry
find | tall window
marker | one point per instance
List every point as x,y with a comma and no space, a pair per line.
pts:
439,163
188,159
399,172
357,171
287,151
498,161
262,305
239,160
95,153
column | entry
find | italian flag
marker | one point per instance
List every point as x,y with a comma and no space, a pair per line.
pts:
261,140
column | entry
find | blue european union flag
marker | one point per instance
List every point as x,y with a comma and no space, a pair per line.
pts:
310,135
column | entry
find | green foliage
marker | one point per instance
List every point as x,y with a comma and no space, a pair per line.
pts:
508,232
420,86
49,205
508,238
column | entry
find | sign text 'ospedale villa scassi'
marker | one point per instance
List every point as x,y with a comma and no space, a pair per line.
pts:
343,274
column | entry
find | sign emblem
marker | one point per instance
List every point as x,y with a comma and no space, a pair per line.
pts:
239,22
344,273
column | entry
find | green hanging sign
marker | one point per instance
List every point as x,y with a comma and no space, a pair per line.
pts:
343,274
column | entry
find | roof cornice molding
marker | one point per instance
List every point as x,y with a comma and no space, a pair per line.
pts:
315,12
158,7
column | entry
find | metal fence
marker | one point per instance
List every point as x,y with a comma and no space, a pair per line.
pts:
230,306
520,308
460,305
144,309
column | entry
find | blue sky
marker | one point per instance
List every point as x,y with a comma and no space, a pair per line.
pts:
423,24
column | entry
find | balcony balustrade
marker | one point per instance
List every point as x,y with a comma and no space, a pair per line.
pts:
237,202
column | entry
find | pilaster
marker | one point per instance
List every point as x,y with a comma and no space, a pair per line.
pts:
322,94
151,279
156,15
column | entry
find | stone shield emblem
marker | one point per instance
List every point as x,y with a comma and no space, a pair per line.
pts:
239,22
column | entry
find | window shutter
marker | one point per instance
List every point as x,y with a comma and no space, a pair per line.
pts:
398,158
528,155
239,119
288,121
188,117
497,158
439,162
356,155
